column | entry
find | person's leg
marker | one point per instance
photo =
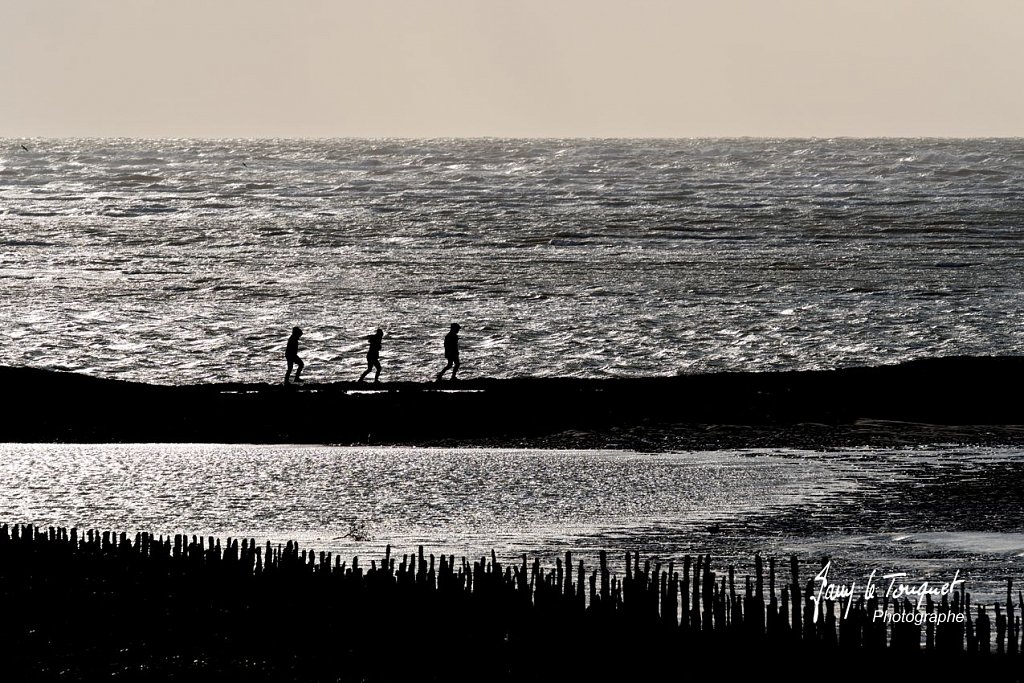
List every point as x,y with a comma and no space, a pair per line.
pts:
298,370
288,373
376,377
441,374
455,368
369,366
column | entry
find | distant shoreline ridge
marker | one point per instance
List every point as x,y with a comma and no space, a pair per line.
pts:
711,410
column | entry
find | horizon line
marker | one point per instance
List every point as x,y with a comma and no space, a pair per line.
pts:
257,138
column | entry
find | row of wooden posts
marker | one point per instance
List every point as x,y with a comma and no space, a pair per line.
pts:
689,605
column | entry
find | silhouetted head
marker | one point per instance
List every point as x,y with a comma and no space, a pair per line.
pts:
380,332
455,327
297,331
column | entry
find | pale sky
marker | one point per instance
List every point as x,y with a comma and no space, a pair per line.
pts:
544,68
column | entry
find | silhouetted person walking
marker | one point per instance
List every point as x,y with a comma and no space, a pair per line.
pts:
291,354
451,351
373,355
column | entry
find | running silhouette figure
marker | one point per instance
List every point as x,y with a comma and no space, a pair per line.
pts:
291,354
451,351
373,355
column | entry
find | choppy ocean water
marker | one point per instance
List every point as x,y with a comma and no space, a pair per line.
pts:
190,260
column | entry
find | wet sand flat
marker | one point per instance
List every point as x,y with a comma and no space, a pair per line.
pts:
926,511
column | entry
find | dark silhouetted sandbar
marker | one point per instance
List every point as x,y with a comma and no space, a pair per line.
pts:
953,399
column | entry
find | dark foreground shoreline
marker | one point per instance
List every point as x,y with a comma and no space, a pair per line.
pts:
90,605
954,400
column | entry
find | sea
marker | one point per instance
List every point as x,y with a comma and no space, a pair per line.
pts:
189,261
180,261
